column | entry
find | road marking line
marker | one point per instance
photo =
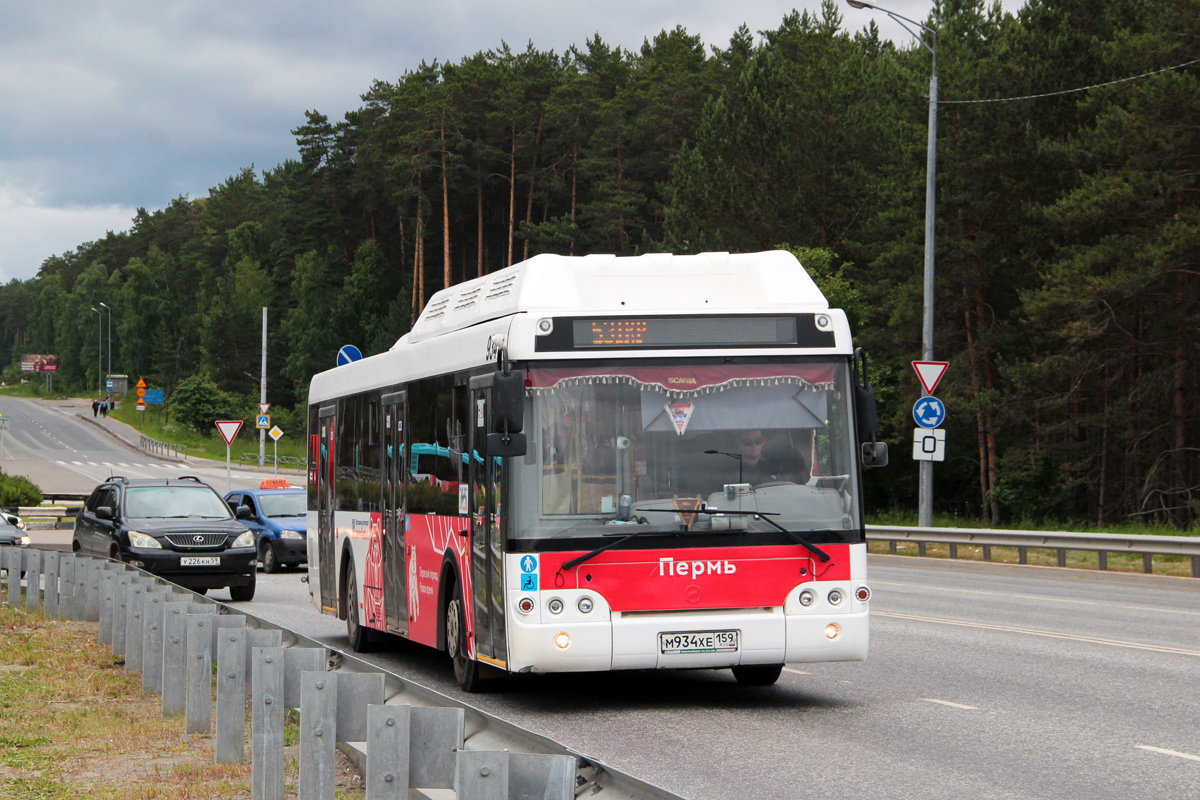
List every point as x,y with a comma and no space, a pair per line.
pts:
1001,594
1166,752
795,671
952,705
1049,634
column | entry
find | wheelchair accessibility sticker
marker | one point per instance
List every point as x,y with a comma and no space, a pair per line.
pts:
529,578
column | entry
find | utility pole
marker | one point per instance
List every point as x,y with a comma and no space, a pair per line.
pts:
262,392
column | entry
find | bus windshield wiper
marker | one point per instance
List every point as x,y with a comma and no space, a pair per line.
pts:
764,516
574,562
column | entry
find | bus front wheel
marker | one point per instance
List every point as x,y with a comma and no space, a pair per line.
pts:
466,669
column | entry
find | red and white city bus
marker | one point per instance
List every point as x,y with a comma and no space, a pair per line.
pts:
601,463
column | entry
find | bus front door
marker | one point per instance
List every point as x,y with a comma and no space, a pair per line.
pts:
487,541
326,533
395,565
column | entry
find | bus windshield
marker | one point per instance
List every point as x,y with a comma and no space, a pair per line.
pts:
645,443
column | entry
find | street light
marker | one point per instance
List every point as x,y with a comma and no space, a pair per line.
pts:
925,502
109,340
99,352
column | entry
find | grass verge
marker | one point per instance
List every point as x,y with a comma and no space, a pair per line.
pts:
76,725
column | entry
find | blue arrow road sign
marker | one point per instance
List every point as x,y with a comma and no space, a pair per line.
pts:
347,354
929,412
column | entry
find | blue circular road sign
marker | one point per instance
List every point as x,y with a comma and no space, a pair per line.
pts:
347,354
929,412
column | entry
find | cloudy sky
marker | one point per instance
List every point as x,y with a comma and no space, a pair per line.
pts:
105,107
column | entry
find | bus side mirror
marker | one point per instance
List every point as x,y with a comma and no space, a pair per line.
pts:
508,401
506,444
874,454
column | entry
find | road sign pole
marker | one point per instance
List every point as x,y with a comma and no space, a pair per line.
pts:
228,477
276,443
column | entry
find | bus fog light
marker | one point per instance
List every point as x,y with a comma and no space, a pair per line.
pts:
562,641
863,594
832,631
525,605
823,322
806,598
585,604
835,597
555,606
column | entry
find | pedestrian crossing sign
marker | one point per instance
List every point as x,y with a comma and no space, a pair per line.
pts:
264,421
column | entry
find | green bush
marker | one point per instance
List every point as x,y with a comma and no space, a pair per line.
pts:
17,490
198,403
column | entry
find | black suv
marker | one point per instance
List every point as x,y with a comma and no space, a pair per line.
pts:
179,529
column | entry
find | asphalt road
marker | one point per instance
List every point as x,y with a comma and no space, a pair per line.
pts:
984,681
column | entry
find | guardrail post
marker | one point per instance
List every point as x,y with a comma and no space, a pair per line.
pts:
198,712
120,613
66,589
1022,555
79,587
266,723
33,580
1104,560
953,550
435,735
174,690
921,549
13,561
987,552
296,662
50,602
255,638
223,622
356,691
1062,557
542,776
318,734
1196,566
133,628
481,775
231,696
152,640
107,590
1147,563
95,571
387,752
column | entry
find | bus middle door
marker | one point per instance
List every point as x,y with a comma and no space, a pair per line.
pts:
395,563
487,543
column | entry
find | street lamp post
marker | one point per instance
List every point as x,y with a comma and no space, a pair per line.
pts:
99,353
109,340
925,502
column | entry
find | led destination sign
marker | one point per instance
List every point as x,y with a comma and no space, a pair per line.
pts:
685,332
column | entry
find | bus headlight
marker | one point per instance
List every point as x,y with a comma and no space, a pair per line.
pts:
585,605
562,641
835,597
806,598
832,631
555,606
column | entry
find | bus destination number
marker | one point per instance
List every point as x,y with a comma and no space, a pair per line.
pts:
698,642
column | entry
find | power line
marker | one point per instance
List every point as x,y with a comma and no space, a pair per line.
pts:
1070,91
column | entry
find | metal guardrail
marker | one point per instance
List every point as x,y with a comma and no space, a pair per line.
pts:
167,449
115,595
1061,541
269,460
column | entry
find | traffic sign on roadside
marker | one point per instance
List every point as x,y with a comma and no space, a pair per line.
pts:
264,422
275,433
347,354
929,373
929,445
929,412
264,408
229,429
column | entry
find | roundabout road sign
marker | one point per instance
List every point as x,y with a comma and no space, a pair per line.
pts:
929,412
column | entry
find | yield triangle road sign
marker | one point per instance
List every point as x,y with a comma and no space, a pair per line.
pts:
929,373
229,429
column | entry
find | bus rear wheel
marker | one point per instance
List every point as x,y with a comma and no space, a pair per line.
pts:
758,675
360,641
466,669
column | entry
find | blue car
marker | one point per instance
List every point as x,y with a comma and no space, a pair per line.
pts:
278,520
